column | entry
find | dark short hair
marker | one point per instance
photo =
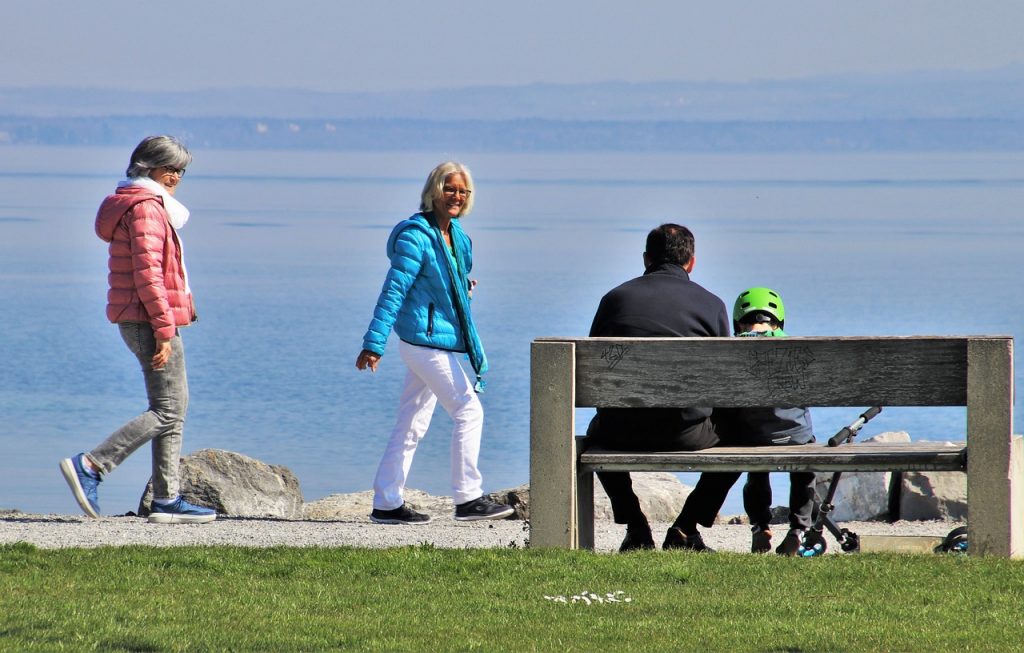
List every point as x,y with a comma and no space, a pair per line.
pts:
670,243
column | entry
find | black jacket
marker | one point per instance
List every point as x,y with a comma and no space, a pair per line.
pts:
661,303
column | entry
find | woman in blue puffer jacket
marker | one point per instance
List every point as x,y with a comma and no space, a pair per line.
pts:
425,300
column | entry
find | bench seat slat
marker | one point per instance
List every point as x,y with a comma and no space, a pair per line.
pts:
858,456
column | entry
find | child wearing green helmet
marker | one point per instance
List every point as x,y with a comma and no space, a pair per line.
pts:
759,312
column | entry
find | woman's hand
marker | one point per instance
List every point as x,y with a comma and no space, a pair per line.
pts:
162,355
367,359
472,285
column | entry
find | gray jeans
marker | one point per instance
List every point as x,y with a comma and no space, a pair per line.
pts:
162,424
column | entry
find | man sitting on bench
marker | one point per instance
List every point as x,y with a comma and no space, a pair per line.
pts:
663,302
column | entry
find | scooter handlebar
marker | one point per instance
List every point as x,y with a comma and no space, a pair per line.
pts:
840,437
871,412
847,432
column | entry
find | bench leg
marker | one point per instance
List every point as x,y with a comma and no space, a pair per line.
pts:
553,445
994,474
585,509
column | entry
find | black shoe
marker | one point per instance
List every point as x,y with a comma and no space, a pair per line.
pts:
400,515
637,539
791,543
760,540
482,509
675,538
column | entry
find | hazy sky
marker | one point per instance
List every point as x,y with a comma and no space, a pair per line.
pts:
400,44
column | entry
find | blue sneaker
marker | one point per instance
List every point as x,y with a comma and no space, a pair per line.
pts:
180,512
83,484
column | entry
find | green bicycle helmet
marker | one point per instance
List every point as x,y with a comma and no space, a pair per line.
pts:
764,300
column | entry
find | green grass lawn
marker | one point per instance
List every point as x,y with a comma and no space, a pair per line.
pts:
428,599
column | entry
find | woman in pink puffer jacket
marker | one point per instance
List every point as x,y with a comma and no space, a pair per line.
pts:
149,298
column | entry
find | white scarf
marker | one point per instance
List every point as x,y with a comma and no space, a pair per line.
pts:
177,213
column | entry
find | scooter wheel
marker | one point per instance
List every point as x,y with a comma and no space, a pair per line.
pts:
814,545
955,542
850,542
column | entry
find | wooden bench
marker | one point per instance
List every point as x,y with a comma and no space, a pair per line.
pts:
976,372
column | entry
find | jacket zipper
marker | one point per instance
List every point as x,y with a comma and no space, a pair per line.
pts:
430,319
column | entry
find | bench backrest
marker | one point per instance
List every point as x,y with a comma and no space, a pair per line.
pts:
797,371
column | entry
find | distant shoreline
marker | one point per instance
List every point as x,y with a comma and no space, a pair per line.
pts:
530,135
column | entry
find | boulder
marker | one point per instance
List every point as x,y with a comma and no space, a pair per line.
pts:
862,496
661,496
235,485
934,495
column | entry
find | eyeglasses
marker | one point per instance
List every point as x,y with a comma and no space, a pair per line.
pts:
452,192
180,172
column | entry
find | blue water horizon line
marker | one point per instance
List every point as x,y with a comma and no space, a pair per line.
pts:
877,182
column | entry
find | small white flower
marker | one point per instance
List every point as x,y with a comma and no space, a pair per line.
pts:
590,598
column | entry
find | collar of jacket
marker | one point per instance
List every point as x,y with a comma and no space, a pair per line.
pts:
673,269
454,226
425,222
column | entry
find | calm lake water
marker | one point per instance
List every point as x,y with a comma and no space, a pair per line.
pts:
286,257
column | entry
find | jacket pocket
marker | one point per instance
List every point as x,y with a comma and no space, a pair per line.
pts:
430,319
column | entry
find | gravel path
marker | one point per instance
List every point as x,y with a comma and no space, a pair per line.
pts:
59,531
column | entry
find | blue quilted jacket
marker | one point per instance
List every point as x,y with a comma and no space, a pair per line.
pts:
416,300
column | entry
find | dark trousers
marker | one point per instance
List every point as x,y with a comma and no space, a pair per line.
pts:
703,504
757,498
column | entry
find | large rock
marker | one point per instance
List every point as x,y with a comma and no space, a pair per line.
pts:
934,495
236,485
661,496
862,496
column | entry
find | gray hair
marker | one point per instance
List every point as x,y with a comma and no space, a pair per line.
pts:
158,152
433,189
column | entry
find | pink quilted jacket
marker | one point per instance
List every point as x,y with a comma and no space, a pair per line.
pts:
147,282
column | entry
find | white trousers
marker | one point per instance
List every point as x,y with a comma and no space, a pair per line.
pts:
433,375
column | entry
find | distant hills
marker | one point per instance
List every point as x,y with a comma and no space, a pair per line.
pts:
922,111
528,135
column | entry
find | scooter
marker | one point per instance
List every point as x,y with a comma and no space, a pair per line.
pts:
814,543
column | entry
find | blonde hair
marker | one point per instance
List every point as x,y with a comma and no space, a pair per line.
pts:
433,189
